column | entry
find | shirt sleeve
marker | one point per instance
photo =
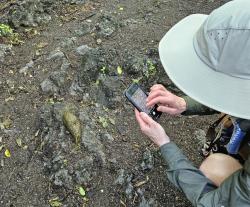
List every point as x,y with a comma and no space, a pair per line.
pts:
234,191
184,175
196,108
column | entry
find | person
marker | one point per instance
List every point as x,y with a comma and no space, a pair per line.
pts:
207,57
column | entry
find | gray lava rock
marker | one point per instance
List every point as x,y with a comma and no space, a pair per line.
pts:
48,86
91,142
134,65
26,67
91,63
4,50
148,160
107,137
75,1
144,202
141,65
82,177
57,54
68,43
129,190
62,178
83,30
124,179
82,174
121,177
106,26
83,49
108,93
55,164
30,13
56,79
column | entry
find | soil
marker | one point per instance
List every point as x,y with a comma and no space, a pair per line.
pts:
113,162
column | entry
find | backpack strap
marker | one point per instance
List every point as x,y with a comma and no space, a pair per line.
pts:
212,136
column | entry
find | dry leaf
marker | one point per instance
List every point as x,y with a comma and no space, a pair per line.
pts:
119,70
11,98
19,142
7,153
73,124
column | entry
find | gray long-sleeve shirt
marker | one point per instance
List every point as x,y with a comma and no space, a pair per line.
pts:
233,192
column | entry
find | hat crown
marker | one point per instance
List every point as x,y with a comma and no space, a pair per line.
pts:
223,41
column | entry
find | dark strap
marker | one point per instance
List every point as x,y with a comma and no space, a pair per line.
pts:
212,127
216,123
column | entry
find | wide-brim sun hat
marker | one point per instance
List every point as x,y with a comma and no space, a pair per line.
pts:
208,58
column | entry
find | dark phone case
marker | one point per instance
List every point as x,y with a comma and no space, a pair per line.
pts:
134,87
154,109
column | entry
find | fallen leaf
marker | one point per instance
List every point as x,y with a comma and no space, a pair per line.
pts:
6,124
7,153
37,132
25,147
19,142
54,202
85,199
82,191
138,184
123,204
137,145
112,121
119,70
73,124
11,98
42,45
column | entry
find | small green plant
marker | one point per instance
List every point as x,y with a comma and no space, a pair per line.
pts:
137,80
151,69
104,70
103,121
7,35
54,202
5,30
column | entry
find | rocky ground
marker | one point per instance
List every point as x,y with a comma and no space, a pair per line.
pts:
67,135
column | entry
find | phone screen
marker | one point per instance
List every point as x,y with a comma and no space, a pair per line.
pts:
139,97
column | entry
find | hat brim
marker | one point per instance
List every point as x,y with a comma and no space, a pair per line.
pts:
195,78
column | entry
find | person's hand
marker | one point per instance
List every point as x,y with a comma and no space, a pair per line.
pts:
151,128
166,101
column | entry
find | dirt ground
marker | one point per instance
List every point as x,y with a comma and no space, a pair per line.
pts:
113,163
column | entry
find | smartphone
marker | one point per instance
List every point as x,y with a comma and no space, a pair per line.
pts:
137,97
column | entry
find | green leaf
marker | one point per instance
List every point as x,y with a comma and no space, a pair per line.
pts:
104,70
136,80
119,70
82,191
55,203
103,121
7,153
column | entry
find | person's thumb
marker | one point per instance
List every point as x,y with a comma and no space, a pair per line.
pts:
146,118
